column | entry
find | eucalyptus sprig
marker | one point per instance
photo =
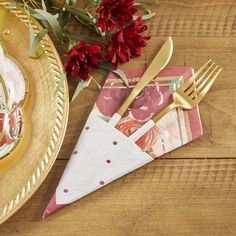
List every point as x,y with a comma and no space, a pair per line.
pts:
54,17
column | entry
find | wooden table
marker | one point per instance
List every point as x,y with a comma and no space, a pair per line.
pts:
192,190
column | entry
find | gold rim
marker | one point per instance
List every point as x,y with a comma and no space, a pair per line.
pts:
62,97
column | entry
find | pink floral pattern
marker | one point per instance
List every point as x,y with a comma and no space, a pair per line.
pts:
147,104
146,141
11,125
12,96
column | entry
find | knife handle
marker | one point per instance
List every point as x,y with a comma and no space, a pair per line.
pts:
123,108
133,94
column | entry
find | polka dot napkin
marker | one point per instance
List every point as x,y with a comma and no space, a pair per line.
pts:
104,153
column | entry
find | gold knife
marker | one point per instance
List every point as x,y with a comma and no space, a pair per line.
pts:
159,62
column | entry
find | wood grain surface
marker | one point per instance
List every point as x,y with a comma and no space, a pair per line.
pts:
192,190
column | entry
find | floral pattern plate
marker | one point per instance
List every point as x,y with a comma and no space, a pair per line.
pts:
33,118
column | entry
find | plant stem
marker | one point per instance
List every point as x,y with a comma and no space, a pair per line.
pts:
98,85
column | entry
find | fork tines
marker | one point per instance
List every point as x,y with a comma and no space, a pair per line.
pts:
199,84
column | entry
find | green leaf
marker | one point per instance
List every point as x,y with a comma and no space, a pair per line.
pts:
71,2
122,75
35,40
89,24
31,34
146,8
147,16
81,85
77,37
84,18
43,5
65,17
77,12
61,81
143,6
101,71
109,67
94,3
33,13
98,85
51,19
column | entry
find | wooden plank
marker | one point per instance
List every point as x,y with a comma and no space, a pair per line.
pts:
195,18
166,197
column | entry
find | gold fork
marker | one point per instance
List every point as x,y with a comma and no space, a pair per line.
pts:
187,96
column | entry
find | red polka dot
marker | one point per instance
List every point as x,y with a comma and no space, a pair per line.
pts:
75,152
101,182
65,190
108,161
87,127
115,143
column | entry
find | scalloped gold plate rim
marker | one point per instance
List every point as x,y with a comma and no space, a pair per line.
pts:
24,170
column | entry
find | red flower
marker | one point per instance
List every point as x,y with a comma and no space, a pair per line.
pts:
127,42
115,13
82,58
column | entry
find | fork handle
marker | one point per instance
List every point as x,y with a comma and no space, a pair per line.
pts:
148,125
159,115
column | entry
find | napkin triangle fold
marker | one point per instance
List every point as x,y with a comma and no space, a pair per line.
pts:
104,153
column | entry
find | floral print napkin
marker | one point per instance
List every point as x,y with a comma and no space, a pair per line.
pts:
113,154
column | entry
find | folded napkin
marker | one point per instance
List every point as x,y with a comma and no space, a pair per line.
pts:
104,153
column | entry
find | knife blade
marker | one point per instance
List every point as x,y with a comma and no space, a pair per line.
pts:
159,62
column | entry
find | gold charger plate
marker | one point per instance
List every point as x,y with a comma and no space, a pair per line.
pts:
46,113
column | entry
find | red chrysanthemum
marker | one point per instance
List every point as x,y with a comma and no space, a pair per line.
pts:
82,58
115,13
127,42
